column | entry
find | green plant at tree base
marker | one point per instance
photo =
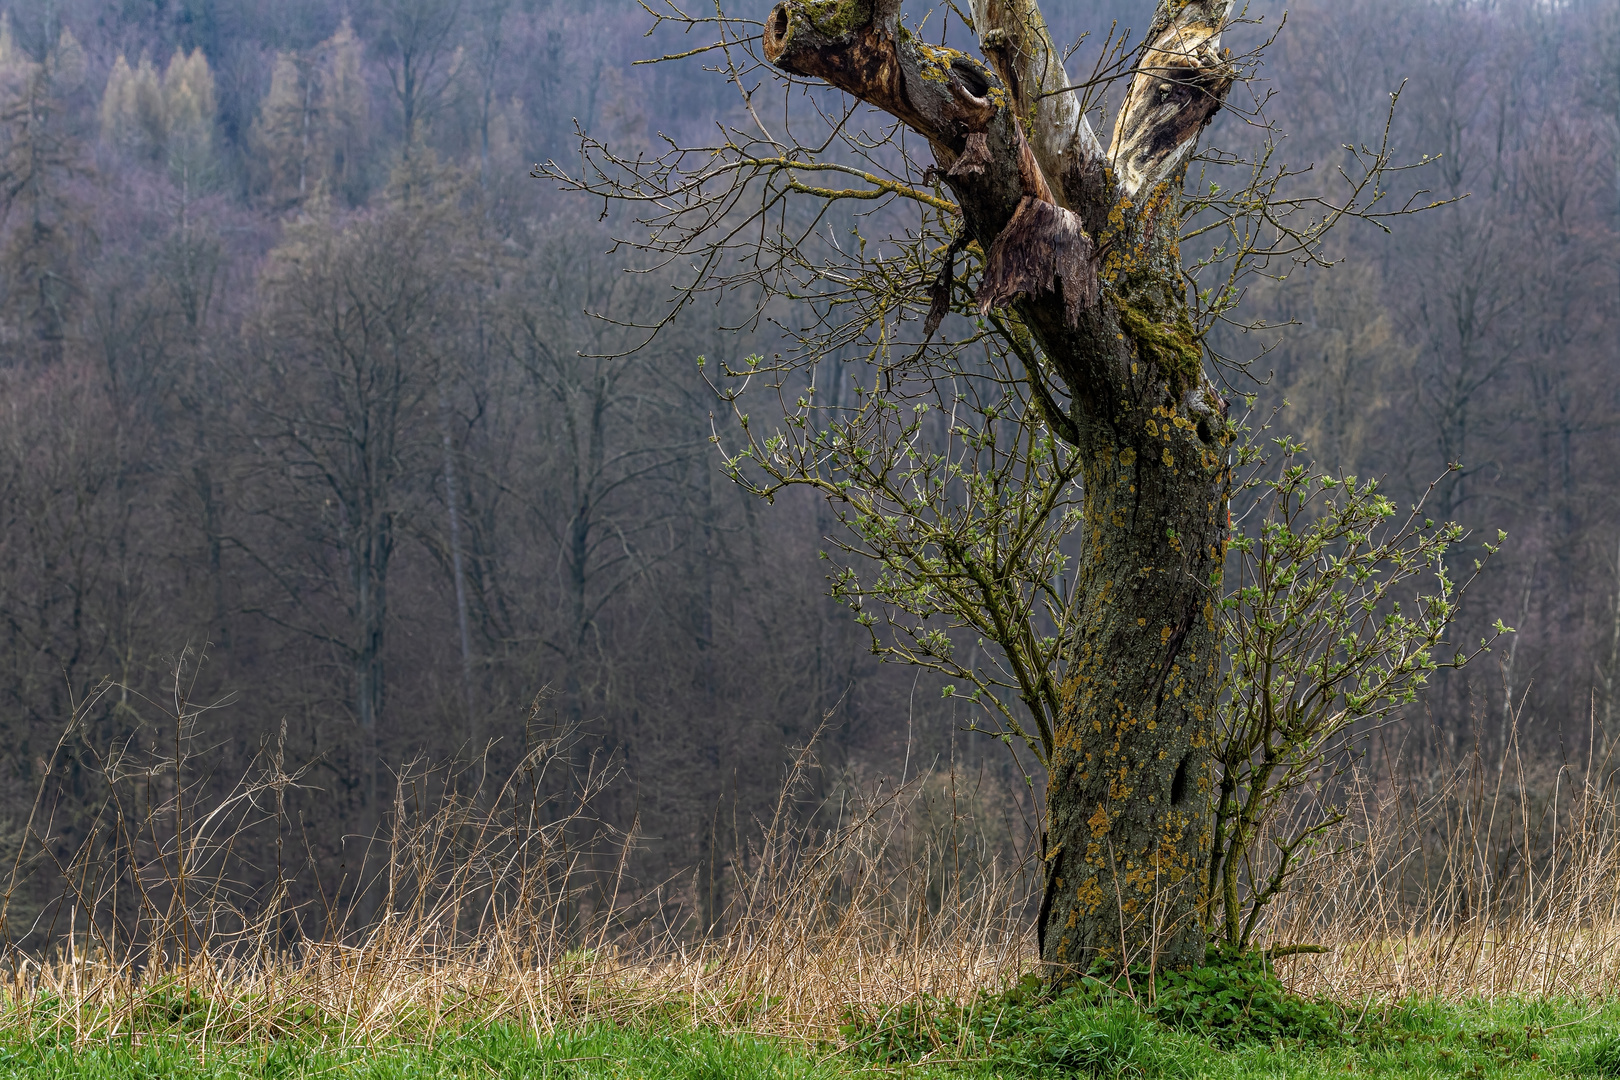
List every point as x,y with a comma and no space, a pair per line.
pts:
1103,1024
1338,609
1233,1017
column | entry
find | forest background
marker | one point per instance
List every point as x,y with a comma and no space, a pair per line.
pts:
462,521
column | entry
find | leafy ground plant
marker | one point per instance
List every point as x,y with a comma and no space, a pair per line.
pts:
1104,1024
1341,606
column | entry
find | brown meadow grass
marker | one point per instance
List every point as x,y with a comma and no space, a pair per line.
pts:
1479,879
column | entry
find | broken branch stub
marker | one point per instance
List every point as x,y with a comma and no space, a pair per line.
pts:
1180,84
1044,248
974,157
939,293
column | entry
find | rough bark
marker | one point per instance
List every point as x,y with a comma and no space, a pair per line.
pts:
1094,273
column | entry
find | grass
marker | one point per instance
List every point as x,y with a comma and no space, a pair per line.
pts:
489,1052
1232,1018
1069,1037
883,946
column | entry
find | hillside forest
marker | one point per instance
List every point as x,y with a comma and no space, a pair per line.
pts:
325,427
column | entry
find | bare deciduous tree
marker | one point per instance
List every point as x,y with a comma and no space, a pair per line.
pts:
357,331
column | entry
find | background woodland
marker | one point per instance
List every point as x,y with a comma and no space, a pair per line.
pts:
303,396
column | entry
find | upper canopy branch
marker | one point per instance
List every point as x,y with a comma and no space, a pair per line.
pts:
963,109
1035,188
1181,80
860,47
1014,36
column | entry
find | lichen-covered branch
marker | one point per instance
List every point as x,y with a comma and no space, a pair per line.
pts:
948,97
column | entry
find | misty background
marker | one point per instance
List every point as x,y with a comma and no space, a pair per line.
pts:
303,396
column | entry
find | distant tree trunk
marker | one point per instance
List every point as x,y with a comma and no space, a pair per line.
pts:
491,14
422,61
1083,243
368,577
452,497
1608,669
305,119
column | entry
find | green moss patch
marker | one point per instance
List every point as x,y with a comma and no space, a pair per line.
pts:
835,18
1157,323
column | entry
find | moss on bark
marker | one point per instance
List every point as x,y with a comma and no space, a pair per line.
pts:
835,18
1166,340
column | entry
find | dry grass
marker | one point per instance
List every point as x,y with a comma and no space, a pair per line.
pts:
1496,876
512,905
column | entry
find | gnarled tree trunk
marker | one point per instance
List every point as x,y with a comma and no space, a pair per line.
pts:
1082,242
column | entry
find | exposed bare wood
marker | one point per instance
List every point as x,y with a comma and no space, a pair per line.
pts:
1043,248
1181,80
1014,36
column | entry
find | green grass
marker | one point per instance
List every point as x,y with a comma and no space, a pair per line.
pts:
1227,1021
1073,1037
690,1055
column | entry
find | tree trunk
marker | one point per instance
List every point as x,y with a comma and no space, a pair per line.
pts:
368,573
1082,243
473,733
